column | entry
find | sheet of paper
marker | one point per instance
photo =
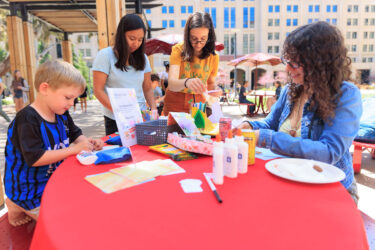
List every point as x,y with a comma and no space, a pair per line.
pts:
109,182
216,113
266,154
186,123
191,185
137,172
168,167
127,113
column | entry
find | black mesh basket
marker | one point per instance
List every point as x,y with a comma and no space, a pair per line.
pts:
154,132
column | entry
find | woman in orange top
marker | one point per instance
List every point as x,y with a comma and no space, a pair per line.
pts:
193,65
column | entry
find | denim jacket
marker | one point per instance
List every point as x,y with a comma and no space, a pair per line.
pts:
319,140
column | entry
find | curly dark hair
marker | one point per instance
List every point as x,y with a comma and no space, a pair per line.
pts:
198,20
319,48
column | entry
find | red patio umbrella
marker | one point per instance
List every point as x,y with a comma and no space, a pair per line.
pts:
163,44
255,59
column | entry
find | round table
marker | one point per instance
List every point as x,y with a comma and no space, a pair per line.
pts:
259,211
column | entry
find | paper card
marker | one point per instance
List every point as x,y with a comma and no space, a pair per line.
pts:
191,185
185,121
266,154
109,182
137,172
168,167
127,113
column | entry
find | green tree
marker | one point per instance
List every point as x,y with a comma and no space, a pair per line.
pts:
81,65
43,53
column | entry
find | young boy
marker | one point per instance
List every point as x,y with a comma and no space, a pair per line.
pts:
39,139
158,94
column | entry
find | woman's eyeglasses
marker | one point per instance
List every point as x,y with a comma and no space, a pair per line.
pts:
196,41
291,64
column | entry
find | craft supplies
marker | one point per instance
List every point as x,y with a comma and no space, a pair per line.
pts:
230,156
243,149
225,124
249,137
218,161
175,153
212,186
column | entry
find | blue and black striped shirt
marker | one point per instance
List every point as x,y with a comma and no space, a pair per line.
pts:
29,136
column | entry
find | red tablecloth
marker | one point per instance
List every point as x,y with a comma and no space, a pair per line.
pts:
259,211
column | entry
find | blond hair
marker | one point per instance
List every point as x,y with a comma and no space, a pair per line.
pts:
59,74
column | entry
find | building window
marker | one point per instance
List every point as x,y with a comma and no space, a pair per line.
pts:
372,35
295,8
366,21
164,23
226,17
295,22
277,22
372,21
317,8
372,8
288,22
371,48
88,52
348,35
355,21
79,39
310,8
213,16
309,20
149,23
364,48
190,9
82,52
87,39
233,17
289,8
148,11
183,9
171,9
252,17
270,22
277,35
365,35
269,49
245,18
350,8
354,48
171,23
277,8
328,8
349,21
355,8
334,8
363,59
270,35
277,49
226,44
367,8
233,45
183,22
207,10
334,21
370,59
270,8
328,20
164,9
252,43
245,43
354,35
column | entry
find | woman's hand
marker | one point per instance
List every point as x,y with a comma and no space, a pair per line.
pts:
216,92
196,85
244,125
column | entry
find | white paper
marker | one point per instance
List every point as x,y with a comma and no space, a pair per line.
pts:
127,113
191,185
216,113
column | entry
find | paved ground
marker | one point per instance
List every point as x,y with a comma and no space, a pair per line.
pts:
92,125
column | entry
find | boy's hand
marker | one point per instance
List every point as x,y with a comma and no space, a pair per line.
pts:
96,143
82,145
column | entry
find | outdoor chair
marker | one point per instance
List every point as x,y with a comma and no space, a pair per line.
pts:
357,155
247,110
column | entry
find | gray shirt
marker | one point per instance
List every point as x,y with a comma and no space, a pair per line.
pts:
105,62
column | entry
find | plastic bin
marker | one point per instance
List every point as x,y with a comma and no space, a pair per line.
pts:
154,132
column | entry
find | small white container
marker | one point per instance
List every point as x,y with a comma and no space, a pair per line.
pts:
243,151
218,161
230,156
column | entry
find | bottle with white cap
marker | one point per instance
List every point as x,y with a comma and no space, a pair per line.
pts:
243,151
218,160
230,156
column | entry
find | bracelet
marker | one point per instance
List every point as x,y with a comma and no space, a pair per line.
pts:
186,82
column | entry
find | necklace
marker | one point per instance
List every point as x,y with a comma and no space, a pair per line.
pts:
296,116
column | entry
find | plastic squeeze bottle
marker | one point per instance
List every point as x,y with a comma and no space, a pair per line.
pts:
218,160
230,156
243,151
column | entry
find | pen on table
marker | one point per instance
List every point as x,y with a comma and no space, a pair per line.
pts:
212,186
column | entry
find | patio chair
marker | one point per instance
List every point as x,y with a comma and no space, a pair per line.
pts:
357,155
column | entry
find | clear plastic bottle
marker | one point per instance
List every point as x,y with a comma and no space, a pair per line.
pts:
243,151
230,156
218,161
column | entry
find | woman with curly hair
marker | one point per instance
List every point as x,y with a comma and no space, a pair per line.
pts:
318,112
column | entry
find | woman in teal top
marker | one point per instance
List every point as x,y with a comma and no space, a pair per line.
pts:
124,65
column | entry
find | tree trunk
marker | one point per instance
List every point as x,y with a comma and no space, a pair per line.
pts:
4,66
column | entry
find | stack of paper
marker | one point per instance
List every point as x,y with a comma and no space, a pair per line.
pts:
133,174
